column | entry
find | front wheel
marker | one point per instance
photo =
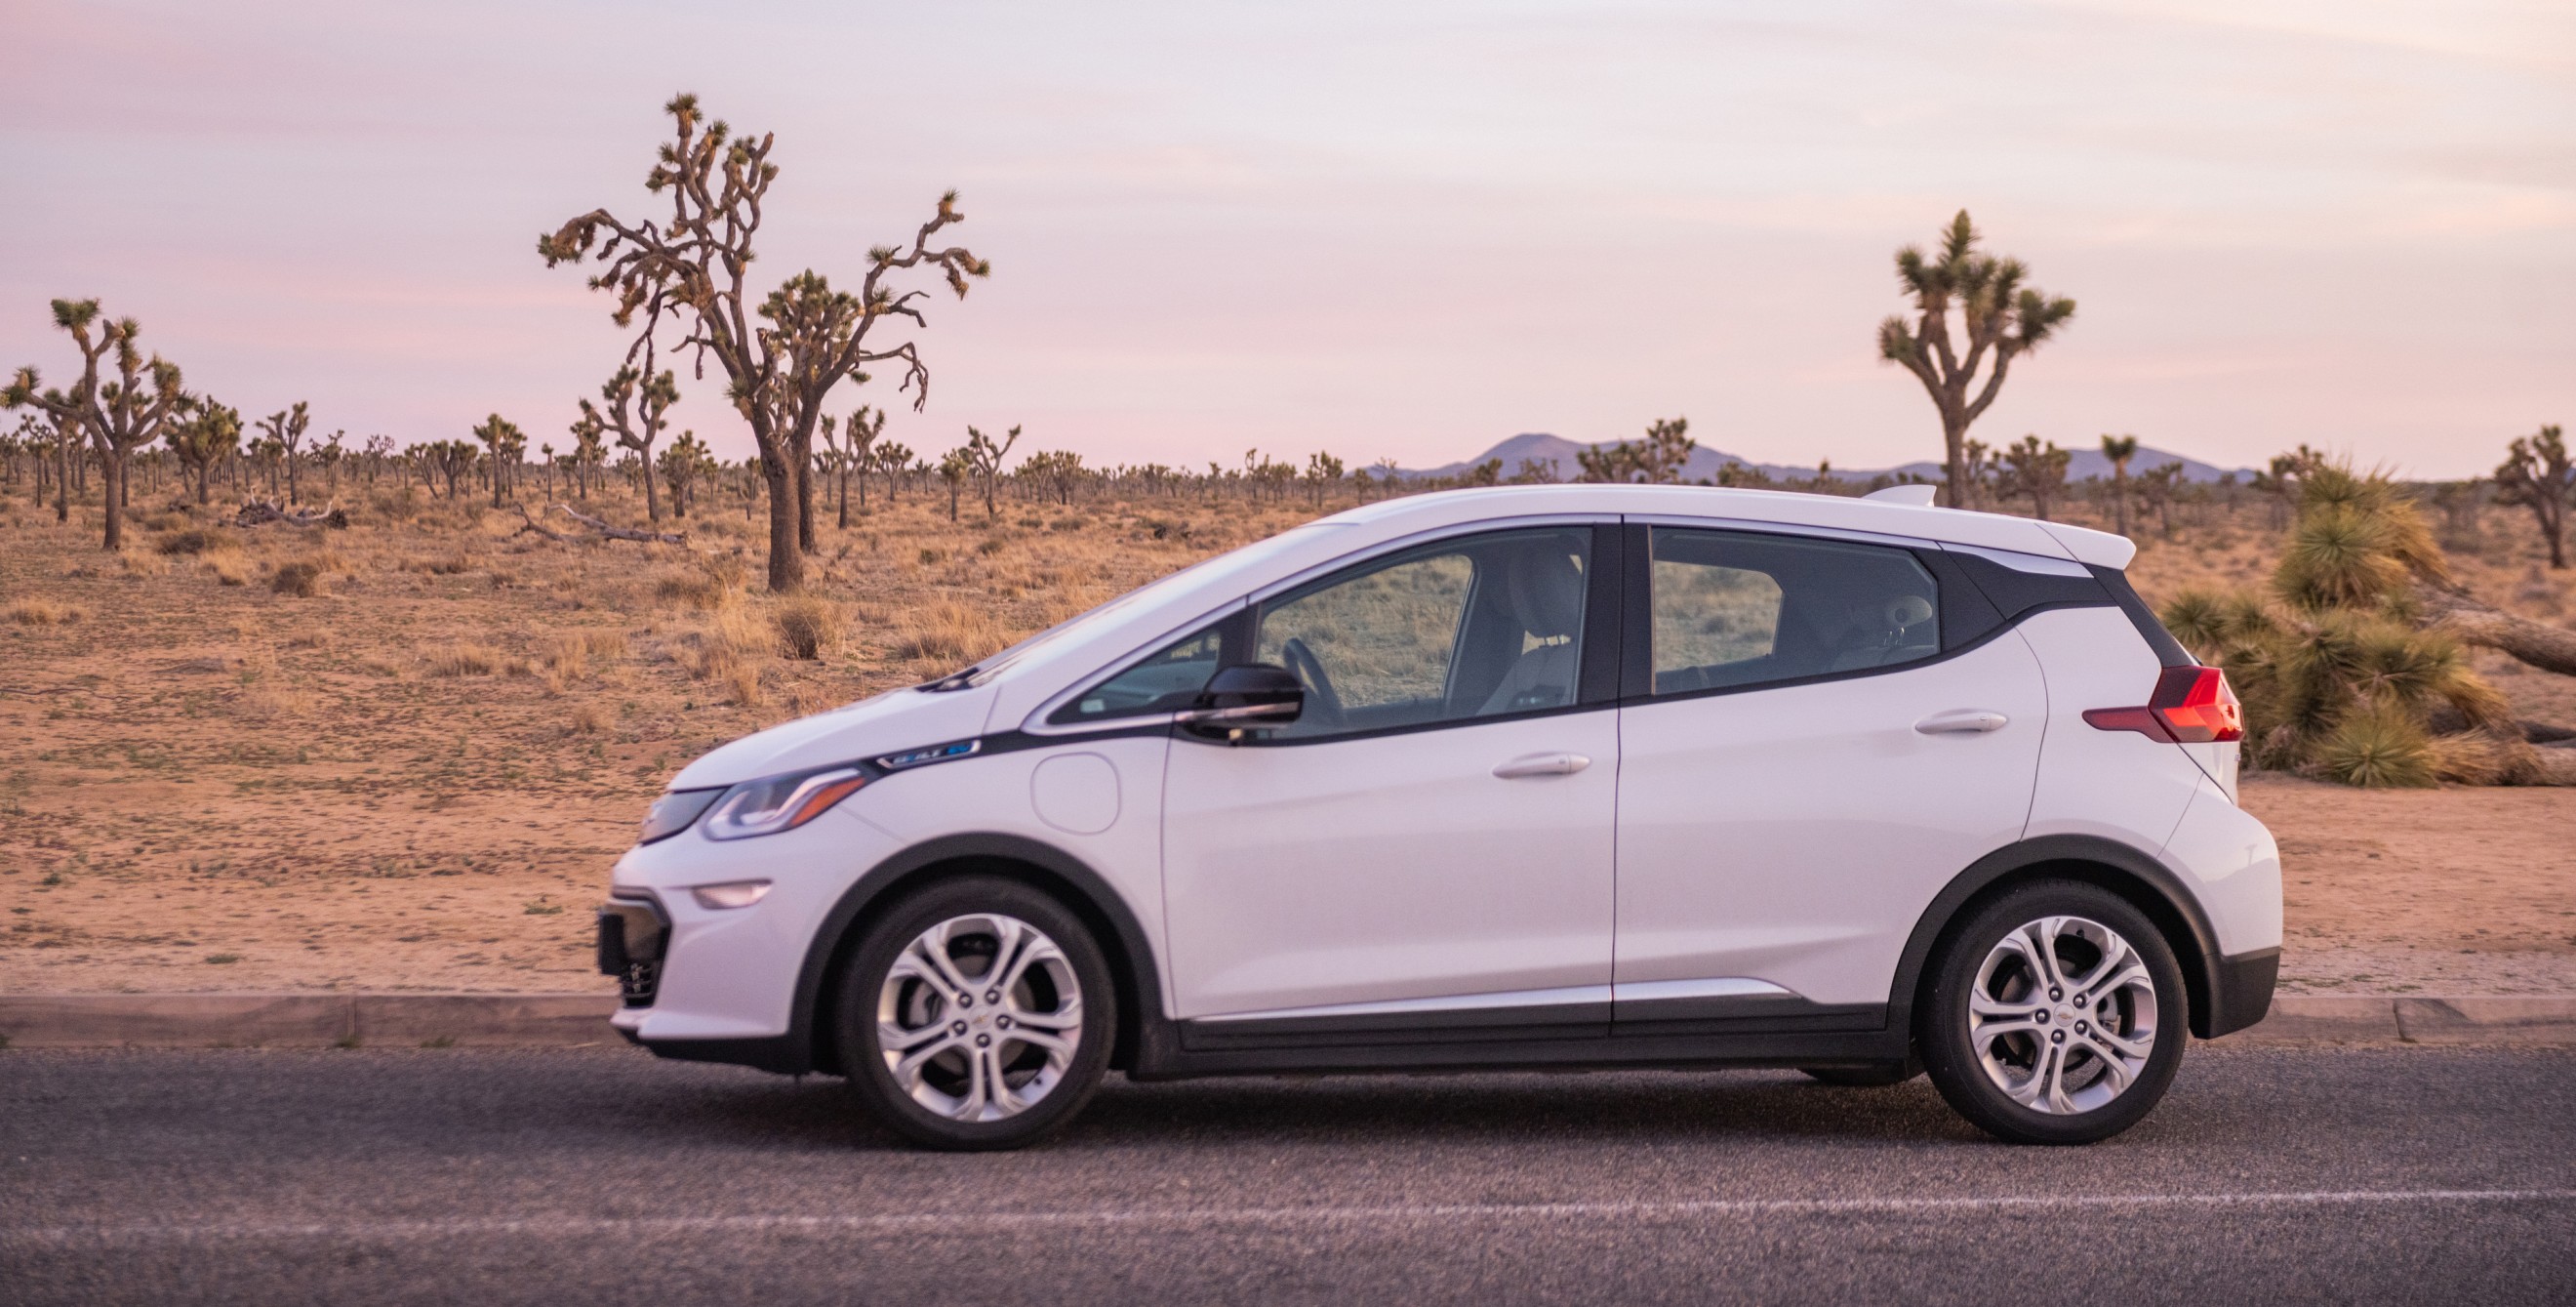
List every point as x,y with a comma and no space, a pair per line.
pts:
976,1014
2055,1015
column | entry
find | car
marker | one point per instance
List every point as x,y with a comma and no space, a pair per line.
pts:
1517,777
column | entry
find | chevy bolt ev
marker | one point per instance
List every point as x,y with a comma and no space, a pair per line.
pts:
1522,777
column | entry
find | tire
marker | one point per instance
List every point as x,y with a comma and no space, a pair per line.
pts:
2030,1069
947,1065
1864,1077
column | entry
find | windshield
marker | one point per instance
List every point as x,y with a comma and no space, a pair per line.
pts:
985,669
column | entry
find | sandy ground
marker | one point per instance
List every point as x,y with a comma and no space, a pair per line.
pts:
207,785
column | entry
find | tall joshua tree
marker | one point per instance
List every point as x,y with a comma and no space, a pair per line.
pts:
781,355
984,457
122,413
2536,474
2119,450
1999,319
637,408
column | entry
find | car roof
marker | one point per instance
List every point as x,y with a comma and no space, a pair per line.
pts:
1174,606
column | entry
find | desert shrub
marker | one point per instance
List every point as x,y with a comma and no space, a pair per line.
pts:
228,568
139,565
808,627
586,719
462,659
711,583
727,638
264,703
44,612
311,637
948,632
301,579
2338,680
742,684
992,545
444,564
569,653
932,557
196,542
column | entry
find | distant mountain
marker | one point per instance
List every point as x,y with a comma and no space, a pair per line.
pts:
1705,462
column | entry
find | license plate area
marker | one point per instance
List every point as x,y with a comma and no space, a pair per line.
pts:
632,935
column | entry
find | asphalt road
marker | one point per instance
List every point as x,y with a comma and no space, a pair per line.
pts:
444,1176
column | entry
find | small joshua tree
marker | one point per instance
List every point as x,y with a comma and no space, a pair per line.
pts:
893,459
955,467
682,466
781,355
2536,474
1657,460
2119,450
984,457
121,413
285,429
2037,470
637,408
503,443
209,434
2000,319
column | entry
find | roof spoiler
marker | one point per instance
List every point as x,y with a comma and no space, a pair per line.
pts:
1919,495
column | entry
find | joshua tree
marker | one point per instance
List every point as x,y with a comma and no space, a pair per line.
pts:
503,442
955,467
682,465
1999,316
892,459
859,435
120,415
208,435
1322,472
285,429
52,437
446,460
693,266
2156,487
379,448
2036,470
2119,450
984,457
638,407
2536,474
1657,459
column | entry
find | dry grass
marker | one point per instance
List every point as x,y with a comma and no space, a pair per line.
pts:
587,719
310,637
724,639
808,627
710,584
45,612
568,654
462,659
742,685
139,565
228,568
948,633
198,542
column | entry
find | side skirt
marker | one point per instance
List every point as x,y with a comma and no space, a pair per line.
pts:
1813,1035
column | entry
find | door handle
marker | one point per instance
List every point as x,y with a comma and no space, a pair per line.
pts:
1962,720
1543,764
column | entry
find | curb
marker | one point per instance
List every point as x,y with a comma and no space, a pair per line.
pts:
576,1020
306,1020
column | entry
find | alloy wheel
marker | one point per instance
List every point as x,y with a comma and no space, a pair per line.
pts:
2062,1015
979,1017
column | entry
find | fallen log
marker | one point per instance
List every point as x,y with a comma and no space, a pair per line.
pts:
261,512
540,528
2549,648
601,528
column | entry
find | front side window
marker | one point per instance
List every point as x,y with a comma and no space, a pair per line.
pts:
1475,627
1167,681
1733,608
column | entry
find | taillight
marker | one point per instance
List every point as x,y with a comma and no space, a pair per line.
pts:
2191,705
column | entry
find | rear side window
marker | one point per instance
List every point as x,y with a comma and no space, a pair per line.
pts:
1735,608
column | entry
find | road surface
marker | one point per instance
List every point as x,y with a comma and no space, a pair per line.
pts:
440,1176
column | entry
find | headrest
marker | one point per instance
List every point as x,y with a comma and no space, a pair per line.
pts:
1546,591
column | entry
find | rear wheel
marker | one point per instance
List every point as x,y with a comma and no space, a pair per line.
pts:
2055,1015
976,1014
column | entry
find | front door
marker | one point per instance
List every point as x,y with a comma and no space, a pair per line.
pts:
1807,769
1431,841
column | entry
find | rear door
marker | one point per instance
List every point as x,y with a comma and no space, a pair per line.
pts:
1804,764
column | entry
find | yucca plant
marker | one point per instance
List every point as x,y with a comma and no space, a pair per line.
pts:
2337,678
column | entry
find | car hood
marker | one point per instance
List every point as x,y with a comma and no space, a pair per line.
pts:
888,723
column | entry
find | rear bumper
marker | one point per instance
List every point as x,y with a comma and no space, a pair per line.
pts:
2240,990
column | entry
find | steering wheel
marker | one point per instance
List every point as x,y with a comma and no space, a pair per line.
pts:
1323,707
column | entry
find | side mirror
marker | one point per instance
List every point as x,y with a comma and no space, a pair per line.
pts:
1253,694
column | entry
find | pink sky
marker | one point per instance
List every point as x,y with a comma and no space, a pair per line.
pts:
1398,231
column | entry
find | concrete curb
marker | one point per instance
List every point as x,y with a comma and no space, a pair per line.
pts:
306,1020
572,1020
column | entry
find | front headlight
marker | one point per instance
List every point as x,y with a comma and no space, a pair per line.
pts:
780,803
673,812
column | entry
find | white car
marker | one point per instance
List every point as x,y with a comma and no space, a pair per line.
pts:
1545,776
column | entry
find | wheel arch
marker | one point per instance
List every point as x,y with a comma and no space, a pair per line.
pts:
2138,877
811,1041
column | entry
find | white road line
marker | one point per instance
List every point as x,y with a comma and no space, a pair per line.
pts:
1401,1213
